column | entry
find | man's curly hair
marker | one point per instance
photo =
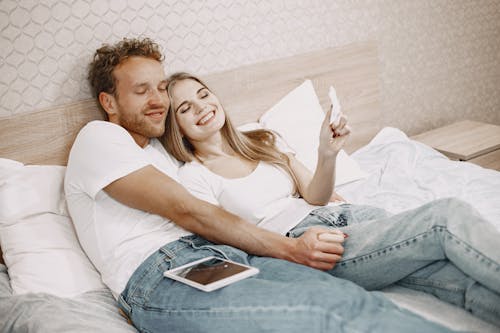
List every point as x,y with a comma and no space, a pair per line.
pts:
108,57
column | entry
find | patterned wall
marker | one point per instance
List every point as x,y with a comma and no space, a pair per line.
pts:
440,59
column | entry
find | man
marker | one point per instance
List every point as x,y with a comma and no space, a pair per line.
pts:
134,221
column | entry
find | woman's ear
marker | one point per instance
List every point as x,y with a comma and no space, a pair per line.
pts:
108,103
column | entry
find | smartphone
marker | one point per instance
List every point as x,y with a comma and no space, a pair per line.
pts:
335,115
210,273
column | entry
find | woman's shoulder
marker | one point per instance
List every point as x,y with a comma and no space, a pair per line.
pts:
196,176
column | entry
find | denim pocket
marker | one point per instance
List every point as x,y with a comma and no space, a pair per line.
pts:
327,217
145,279
200,247
332,216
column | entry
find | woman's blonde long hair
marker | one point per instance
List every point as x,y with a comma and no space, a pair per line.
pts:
256,145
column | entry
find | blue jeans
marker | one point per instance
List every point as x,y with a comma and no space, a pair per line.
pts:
283,297
444,248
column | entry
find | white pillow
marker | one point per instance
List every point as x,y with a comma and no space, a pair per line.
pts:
297,117
37,237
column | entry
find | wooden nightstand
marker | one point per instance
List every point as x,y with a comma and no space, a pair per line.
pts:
466,140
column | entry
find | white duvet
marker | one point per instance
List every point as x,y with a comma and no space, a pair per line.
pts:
404,174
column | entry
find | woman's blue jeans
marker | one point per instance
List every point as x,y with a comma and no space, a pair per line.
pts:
444,248
286,297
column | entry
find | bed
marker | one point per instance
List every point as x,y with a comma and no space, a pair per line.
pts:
390,171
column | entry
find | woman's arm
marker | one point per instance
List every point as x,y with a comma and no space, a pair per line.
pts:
317,189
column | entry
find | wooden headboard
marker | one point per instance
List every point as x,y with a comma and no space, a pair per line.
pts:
45,136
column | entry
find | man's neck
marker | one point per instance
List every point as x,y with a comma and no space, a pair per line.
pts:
140,140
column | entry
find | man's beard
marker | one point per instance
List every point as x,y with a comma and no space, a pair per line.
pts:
138,123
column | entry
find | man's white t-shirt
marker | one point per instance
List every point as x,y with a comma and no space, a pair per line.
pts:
116,237
264,197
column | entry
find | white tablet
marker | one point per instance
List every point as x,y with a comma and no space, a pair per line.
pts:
210,273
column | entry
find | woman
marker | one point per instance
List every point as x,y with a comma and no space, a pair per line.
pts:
434,248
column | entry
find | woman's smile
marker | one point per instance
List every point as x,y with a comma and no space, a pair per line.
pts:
207,118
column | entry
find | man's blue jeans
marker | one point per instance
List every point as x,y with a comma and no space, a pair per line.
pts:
444,248
287,297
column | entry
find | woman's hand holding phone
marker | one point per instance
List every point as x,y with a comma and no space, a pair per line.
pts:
334,130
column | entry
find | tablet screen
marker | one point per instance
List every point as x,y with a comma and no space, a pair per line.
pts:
210,271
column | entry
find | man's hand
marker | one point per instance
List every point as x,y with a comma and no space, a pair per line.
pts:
309,250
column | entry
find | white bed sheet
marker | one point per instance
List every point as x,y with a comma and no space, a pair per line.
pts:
91,312
405,174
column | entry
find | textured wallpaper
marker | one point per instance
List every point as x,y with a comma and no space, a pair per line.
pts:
439,59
